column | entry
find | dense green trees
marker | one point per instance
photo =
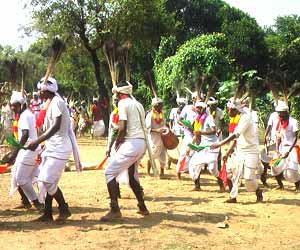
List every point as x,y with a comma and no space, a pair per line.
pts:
185,42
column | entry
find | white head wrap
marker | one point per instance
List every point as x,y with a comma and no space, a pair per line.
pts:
50,85
212,101
95,99
127,90
17,97
194,94
156,101
200,104
235,104
180,100
282,106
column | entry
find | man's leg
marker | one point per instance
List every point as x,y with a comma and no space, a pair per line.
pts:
114,211
47,216
137,190
25,203
63,207
31,195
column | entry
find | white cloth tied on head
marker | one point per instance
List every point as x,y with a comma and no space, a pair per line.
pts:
95,99
49,85
212,101
127,90
194,94
156,101
200,104
282,106
180,100
17,97
235,104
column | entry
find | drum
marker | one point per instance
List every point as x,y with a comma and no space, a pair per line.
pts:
169,139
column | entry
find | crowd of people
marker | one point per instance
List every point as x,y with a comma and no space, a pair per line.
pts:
47,129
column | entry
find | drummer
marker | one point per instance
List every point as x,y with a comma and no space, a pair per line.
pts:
156,124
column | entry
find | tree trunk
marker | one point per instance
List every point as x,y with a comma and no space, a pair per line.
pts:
102,89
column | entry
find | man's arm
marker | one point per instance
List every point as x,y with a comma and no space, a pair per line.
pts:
121,133
23,140
45,136
293,145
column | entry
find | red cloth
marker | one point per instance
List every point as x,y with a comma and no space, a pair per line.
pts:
282,124
182,163
223,174
96,112
40,119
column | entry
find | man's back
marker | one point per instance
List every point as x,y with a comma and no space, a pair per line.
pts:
133,112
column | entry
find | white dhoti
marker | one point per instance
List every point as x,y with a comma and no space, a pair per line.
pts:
98,128
24,173
51,170
200,159
129,153
266,158
246,167
159,152
288,166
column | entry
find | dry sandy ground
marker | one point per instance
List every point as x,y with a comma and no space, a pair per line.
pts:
179,219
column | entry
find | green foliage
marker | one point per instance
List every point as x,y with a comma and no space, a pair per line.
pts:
202,56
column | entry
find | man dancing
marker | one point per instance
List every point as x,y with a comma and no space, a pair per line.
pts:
25,167
155,123
247,151
287,135
131,147
60,141
206,132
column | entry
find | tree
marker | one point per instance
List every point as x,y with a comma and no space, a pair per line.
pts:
202,60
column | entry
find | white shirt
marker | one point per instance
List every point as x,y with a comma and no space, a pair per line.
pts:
247,136
131,111
189,114
174,116
207,126
27,122
59,145
287,135
273,121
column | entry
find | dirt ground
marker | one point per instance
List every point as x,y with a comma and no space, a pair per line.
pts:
179,219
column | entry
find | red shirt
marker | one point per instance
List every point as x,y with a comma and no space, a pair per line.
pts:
96,112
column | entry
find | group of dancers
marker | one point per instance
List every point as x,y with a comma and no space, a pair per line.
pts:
132,133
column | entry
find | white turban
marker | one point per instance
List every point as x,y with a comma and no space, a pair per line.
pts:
200,104
127,90
95,99
156,101
17,97
235,104
282,106
50,85
212,101
180,100
194,94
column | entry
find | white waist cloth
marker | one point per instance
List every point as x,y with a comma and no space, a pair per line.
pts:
27,157
199,159
130,152
51,169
